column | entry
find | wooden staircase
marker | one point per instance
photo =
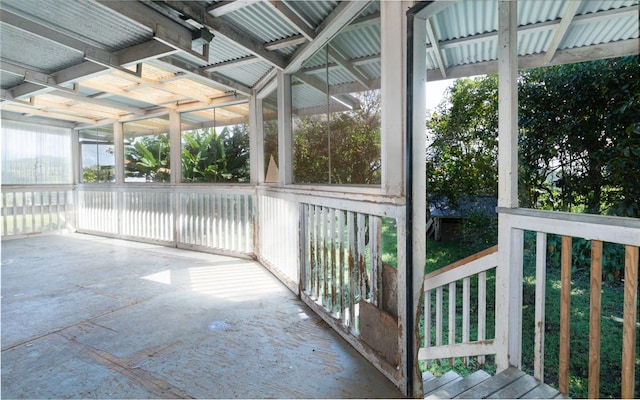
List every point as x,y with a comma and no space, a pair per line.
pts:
509,384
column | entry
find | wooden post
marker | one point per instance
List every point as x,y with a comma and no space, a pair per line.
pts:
565,314
509,270
594,319
629,325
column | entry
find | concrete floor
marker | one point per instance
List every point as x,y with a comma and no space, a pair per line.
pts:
90,317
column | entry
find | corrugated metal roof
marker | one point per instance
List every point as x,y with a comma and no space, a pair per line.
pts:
84,20
263,22
44,55
247,74
466,31
312,12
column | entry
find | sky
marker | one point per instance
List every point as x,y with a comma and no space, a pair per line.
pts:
435,90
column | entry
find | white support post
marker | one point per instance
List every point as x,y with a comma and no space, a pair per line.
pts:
175,146
510,241
419,179
393,36
256,140
118,141
285,138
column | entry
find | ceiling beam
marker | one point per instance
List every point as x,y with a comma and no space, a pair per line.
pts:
568,56
233,63
199,13
225,7
346,64
561,30
431,34
285,12
27,110
286,42
88,69
200,74
162,27
631,11
340,17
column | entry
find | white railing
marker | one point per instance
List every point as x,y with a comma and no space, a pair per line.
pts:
36,209
595,229
331,243
450,337
279,227
208,218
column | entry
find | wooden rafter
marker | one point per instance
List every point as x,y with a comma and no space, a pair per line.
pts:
561,30
431,34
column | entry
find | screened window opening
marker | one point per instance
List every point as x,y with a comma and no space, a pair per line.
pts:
97,154
215,145
146,150
35,154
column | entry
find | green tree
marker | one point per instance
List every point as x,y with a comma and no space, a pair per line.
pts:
148,157
580,137
462,155
354,144
209,156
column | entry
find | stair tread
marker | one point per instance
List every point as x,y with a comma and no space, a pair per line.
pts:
454,388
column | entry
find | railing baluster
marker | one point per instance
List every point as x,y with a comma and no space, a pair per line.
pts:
341,264
427,318
452,315
594,319
482,310
629,324
565,313
332,239
541,273
318,245
466,299
439,316
325,259
375,245
362,266
353,274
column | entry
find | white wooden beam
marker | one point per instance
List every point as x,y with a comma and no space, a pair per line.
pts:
431,34
286,13
232,63
561,30
286,42
321,86
335,53
221,27
568,56
344,13
199,74
225,7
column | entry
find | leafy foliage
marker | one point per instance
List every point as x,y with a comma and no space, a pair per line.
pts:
147,157
462,157
580,137
209,156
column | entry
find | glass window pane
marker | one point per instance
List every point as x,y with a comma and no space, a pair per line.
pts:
35,154
97,155
146,150
215,145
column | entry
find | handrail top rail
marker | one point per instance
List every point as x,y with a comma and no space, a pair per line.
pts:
461,262
626,222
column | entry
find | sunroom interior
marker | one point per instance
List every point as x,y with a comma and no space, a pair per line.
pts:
105,105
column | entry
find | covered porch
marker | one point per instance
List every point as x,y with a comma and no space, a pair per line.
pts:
155,72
